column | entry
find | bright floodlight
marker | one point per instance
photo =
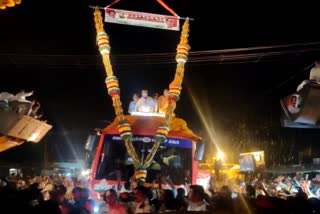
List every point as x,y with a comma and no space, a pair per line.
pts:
220,155
85,172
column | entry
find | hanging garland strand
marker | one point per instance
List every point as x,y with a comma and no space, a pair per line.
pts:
174,93
8,3
113,87
114,91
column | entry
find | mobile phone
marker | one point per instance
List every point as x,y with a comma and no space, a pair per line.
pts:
234,195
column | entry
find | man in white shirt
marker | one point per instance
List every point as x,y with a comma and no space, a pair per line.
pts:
145,104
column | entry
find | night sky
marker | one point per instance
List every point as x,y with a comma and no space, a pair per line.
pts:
50,48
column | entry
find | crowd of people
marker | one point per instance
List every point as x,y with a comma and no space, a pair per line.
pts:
20,104
67,195
56,194
148,104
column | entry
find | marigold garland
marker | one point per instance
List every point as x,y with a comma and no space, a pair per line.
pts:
113,87
112,84
8,3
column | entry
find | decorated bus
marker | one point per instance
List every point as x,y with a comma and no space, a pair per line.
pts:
176,157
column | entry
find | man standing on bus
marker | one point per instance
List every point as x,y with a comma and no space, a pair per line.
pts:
163,101
145,104
133,103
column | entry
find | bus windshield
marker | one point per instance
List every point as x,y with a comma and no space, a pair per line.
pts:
173,158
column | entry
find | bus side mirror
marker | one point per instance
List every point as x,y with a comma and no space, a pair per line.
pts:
199,153
90,142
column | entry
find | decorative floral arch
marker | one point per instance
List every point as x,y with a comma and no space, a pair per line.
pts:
175,87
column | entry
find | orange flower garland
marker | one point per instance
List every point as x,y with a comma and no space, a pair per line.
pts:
8,3
174,93
113,87
175,87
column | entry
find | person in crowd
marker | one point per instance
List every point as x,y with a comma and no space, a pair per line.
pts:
69,184
133,103
182,199
21,184
168,202
64,205
196,196
305,187
78,201
145,103
163,101
126,200
48,204
113,206
142,204
88,204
